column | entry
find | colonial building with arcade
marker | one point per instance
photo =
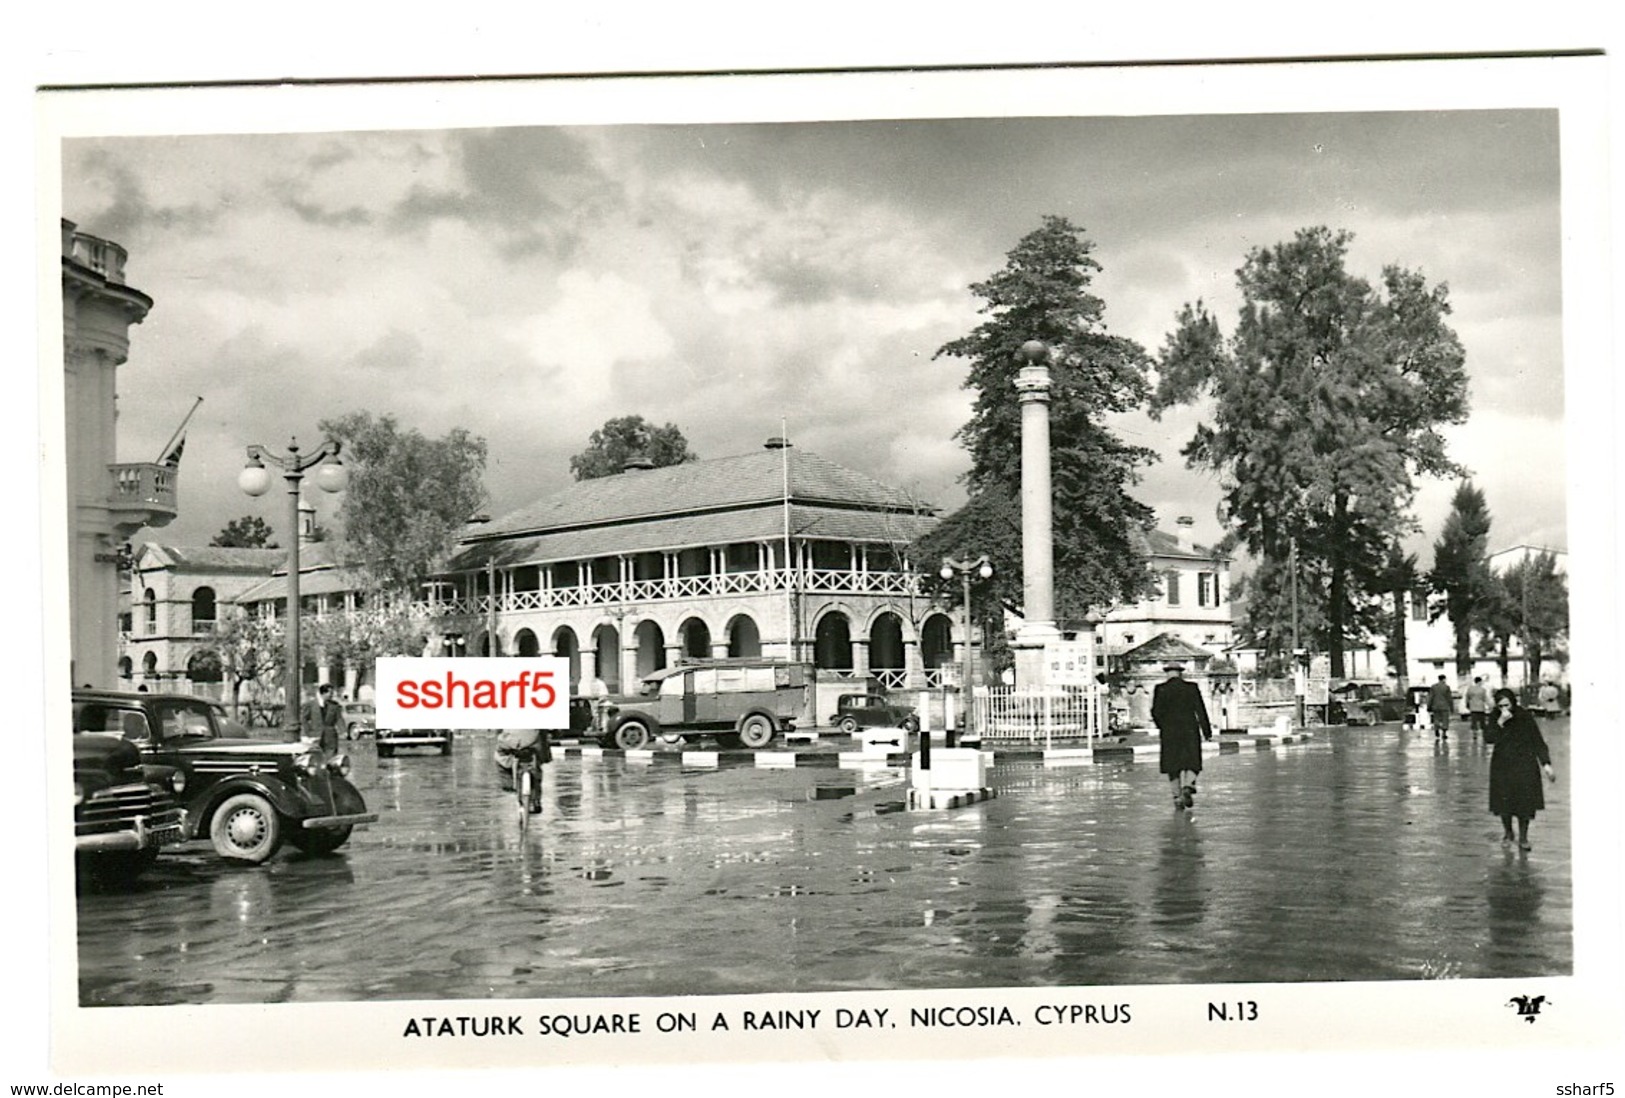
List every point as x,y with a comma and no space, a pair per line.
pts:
777,553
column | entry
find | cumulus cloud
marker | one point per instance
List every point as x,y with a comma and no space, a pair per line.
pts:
530,282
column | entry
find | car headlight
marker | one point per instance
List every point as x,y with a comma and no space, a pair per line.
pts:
307,763
78,793
339,764
177,781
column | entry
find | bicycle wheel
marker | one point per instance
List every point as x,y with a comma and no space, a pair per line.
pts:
521,784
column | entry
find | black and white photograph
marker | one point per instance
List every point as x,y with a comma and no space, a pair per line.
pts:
1048,563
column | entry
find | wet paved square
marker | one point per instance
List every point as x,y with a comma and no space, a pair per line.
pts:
1364,854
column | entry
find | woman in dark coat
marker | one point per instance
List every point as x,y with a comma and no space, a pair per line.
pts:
1516,767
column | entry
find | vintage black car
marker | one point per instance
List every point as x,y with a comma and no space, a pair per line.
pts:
123,813
245,795
855,711
391,740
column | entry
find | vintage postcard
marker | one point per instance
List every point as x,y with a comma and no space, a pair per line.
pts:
1018,563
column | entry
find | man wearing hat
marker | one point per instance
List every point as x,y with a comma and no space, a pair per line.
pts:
1180,715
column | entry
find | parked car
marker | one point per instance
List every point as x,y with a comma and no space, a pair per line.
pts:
1370,703
391,740
855,711
359,719
245,795
123,813
740,701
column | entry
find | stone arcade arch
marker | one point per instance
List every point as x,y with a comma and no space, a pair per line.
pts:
696,638
526,644
832,642
606,643
651,643
567,645
936,643
886,655
744,638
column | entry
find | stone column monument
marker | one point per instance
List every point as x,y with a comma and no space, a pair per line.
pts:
1037,536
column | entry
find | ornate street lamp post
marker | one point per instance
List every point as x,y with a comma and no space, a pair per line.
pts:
255,480
964,569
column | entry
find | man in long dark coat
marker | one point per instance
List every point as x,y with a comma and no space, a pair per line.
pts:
1180,715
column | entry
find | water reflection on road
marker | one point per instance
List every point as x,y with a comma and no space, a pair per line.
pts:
1366,856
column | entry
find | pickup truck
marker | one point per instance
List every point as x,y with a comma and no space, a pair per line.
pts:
245,795
742,702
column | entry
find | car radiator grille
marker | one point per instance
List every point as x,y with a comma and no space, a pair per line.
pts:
119,804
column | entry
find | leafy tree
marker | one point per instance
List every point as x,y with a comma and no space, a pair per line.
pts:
247,532
408,497
1499,621
1043,293
1535,595
1325,405
1461,571
630,438
252,652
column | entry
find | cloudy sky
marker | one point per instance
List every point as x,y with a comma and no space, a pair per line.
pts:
530,282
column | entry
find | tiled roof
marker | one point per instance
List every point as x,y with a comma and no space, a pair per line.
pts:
216,558
1165,646
762,522
1162,544
717,484
320,581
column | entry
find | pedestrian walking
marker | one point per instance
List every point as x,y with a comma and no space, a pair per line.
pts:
1440,702
1478,705
1516,765
1551,699
1180,714
321,719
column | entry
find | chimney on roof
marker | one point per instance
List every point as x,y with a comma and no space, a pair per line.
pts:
1182,533
778,442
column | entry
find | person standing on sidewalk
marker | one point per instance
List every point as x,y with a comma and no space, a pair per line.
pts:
1440,702
322,717
1516,766
1180,715
1478,705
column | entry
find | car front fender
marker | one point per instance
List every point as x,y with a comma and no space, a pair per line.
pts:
286,801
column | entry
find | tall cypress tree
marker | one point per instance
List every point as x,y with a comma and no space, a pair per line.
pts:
1043,293
1461,571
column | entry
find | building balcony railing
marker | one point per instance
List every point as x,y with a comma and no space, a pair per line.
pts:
102,256
144,489
813,581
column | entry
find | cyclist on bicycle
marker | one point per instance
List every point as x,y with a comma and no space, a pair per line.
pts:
517,747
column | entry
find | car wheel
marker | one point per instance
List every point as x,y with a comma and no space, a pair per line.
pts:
756,731
848,725
245,828
322,840
386,751
631,734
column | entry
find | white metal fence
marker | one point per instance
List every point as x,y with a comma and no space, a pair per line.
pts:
1003,715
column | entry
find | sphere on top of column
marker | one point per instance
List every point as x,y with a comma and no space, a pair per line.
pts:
1032,380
